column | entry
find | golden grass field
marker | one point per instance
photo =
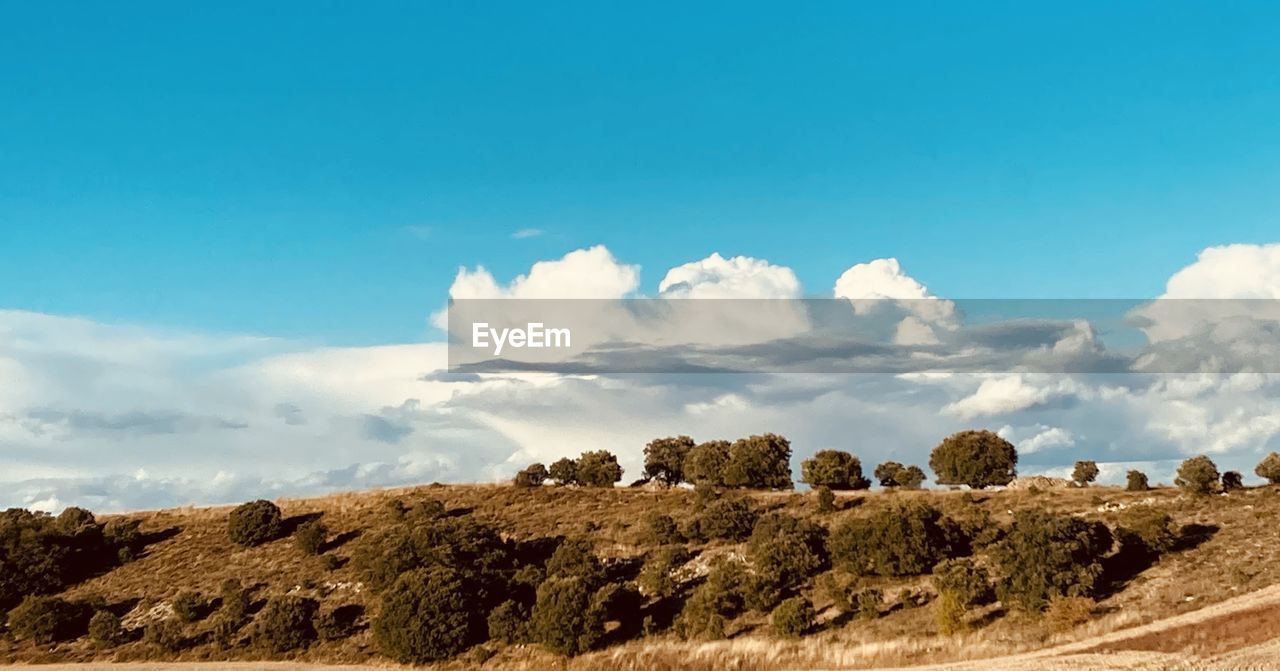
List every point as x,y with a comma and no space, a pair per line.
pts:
1213,606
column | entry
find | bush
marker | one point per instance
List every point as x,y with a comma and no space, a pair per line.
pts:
1085,472
834,469
428,616
975,458
47,619
868,601
1232,481
105,629
729,518
1269,468
254,523
793,617
948,612
310,537
903,539
966,581
759,462
1068,612
661,529
706,463
664,459
1049,554
657,576
1136,481
235,600
1147,529
598,468
720,597
786,551
40,554
286,623
532,476
826,500
335,624
472,548
164,635
576,558
564,619
508,623
1197,475
564,471
893,474
189,606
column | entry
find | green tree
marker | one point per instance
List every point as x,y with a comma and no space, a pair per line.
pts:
975,458
310,537
834,469
1198,475
254,523
793,617
1269,468
1232,481
706,463
598,468
1085,472
785,550
664,459
893,474
532,475
759,462
903,539
286,623
969,582
1049,554
429,615
564,619
564,471
1136,481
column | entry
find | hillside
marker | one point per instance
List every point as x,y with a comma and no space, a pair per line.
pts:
1226,554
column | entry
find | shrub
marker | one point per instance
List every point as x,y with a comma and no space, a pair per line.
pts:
664,459
1136,481
793,617
785,550
1049,554
428,616
1197,475
730,518
105,629
472,548
40,554
564,619
720,597
164,635
1085,472
598,468
965,580
189,606
657,576
235,600
661,529
826,500
1232,481
868,601
834,469
508,623
334,624
975,458
254,523
1068,612
47,619
286,623
123,535
759,462
948,613
893,474
564,471
223,628
1269,468
310,537
576,558
706,463
1147,529
903,539
531,476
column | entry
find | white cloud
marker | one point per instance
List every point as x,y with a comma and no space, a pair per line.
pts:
867,285
583,273
525,233
1004,394
737,277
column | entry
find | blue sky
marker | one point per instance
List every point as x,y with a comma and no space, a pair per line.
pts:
321,170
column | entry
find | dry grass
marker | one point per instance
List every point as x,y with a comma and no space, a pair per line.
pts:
1237,553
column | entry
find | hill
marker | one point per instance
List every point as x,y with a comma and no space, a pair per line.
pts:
1222,555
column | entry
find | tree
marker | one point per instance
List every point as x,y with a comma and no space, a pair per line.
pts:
759,462
834,469
793,617
1048,554
598,468
1231,481
254,523
893,474
564,471
1136,481
286,623
1197,475
903,539
1269,468
532,475
968,581
785,550
975,458
564,619
430,615
310,537
664,459
705,464
1084,473
730,518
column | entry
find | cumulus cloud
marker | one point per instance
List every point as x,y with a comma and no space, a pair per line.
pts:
583,273
737,277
